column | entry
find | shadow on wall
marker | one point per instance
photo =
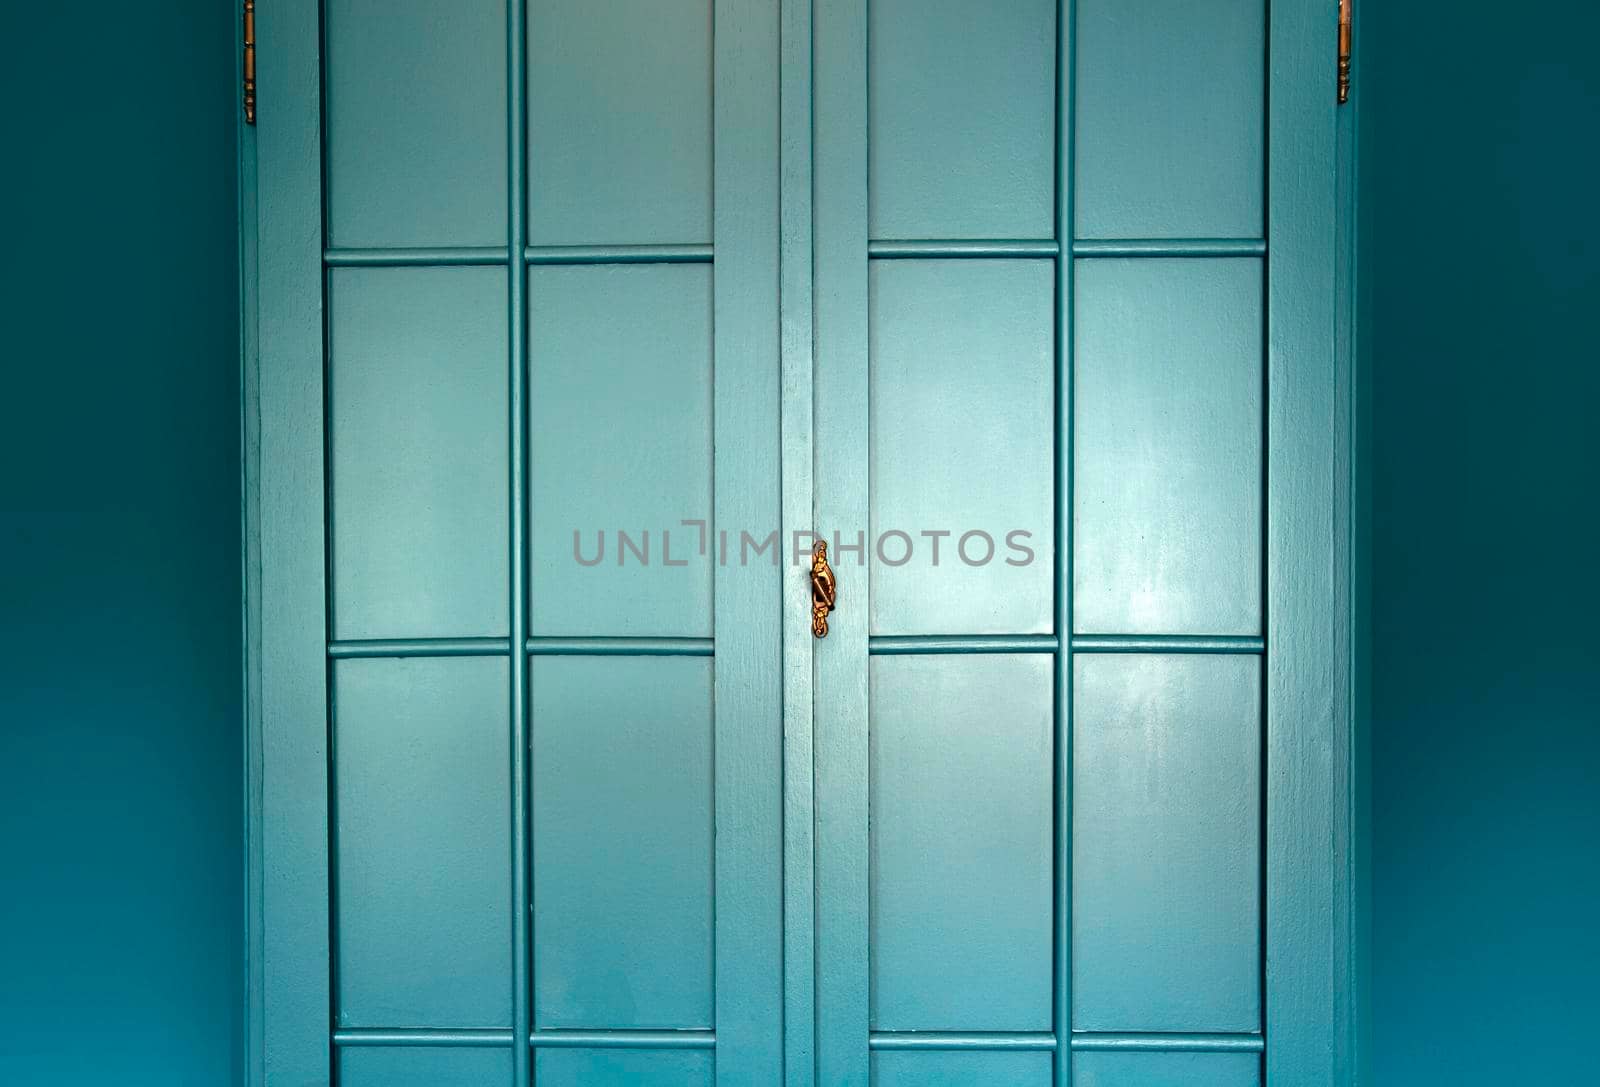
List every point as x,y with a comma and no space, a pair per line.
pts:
120,783
1481,256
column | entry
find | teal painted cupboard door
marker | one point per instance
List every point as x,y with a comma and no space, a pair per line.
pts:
578,320
554,768
1041,249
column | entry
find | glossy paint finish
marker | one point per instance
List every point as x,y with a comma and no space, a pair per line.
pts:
619,122
1155,333
972,468
622,1068
416,150
1188,1069
1166,798
448,360
960,819
622,842
960,107
1158,98
948,878
415,479
619,441
421,890
399,1066
955,1069
1167,402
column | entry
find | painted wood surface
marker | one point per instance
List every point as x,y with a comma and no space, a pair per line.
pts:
422,893
759,265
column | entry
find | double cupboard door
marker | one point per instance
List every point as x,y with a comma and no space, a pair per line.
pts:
576,325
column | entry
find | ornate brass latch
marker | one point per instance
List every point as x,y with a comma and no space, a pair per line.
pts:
1345,34
824,590
249,64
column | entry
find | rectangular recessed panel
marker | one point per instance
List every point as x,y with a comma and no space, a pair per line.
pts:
619,435
619,121
622,842
417,430
1169,126
1102,1069
961,824
1167,505
961,101
395,1066
416,122
962,447
935,1068
1166,843
421,813
623,1068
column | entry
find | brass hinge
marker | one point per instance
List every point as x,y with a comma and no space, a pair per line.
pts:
249,62
1344,49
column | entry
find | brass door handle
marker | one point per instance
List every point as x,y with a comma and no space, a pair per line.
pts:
824,590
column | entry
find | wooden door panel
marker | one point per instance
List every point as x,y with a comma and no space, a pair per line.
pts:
952,1068
1103,1069
619,438
1166,839
415,105
1170,119
624,1068
421,887
417,474
962,125
1167,432
619,122
413,1066
961,865
622,842
960,444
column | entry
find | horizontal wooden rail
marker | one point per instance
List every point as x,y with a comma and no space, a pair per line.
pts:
903,644
1168,1043
618,254
1169,247
914,250
943,1039
1166,643
621,647
1080,1041
538,647
421,647
882,645
539,1039
474,1039
1048,248
415,258
971,249
623,1039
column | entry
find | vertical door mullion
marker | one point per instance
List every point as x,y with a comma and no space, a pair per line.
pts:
840,254
748,680
1062,794
517,370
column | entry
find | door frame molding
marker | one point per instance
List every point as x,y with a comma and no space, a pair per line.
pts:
287,1029
1315,556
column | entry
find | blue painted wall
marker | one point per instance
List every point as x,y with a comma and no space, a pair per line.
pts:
1481,256
120,799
